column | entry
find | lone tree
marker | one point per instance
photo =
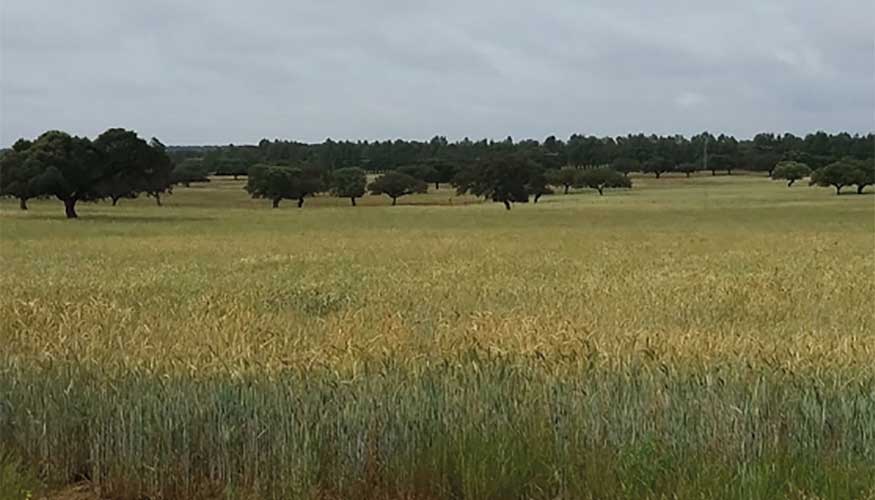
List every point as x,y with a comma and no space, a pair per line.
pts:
626,165
189,171
791,171
688,168
74,169
278,183
232,166
656,165
349,183
17,172
506,179
397,184
565,177
865,175
140,167
601,178
838,175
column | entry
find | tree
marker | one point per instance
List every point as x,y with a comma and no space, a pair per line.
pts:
721,162
74,169
232,166
538,185
688,168
16,173
397,184
656,165
277,183
792,171
625,165
141,167
601,178
189,171
348,183
864,174
505,178
425,173
838,175
562,177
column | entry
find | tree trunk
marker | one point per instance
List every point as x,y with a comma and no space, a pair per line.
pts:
276,202
713,172
860,188
235,177
728,171
789,184
838,188
22,203
186,184
537,197
601,190
507,204
394,200
566,189
70,208
300,202
352,200
437,185
688,174
115,200
658,174
158,199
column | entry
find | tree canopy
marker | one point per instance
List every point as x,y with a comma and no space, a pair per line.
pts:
277,183
507,179
838,174
349,183
791,171
601,178
397,184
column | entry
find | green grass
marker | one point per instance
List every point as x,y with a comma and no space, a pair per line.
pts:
710,337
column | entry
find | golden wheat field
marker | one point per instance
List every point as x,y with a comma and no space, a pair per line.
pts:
711,337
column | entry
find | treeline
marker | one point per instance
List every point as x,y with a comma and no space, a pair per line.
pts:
119,164
646,153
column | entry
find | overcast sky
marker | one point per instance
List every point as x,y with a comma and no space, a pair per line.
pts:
233,71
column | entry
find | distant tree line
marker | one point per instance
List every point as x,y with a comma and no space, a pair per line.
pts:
118,164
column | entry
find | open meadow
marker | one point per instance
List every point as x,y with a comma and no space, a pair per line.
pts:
710,337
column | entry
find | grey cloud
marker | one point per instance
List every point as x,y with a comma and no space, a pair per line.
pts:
226,71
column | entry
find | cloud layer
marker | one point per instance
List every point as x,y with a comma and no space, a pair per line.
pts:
228,71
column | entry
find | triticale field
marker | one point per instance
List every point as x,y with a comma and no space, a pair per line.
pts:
711,337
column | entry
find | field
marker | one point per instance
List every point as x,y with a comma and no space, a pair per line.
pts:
711,337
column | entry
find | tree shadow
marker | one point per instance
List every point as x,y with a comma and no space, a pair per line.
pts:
159,219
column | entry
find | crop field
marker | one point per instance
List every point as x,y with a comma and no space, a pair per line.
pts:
710,337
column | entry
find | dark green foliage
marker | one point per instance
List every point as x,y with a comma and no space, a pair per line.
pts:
397,184
687,168
117,164
277,183
792,171
348,183
564,177
839,174
865,174
656,165
231,166
189,171
625,165
601,178
506,179
424,172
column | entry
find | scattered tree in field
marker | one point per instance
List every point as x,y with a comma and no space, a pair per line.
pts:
688,168
425,173
348,183
721,162
141,167
601,178
17,172
74,169
277,183
538,185
791,171
626,165
565,177
189,171
233,167
656,165
865,174
506,179
838,175
397,184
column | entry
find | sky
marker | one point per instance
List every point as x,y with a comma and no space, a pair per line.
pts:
228,71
